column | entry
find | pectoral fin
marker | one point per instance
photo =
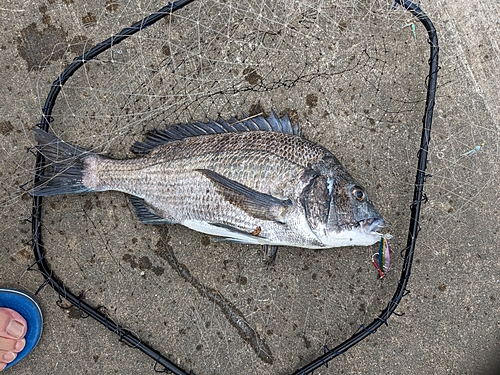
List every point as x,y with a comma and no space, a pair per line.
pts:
254,203
249,236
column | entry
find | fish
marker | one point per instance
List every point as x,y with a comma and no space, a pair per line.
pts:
254,180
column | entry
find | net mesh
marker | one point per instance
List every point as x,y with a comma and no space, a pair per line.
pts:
350,74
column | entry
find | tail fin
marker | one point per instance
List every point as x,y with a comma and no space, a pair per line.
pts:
63,169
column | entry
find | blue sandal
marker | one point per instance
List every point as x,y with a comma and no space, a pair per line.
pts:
30,310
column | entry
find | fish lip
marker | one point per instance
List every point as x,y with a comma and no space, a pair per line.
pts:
372,225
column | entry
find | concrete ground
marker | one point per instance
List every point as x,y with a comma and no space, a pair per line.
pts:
354,78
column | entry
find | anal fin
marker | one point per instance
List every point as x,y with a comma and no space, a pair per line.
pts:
146,213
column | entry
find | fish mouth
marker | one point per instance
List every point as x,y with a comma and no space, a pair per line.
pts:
372,225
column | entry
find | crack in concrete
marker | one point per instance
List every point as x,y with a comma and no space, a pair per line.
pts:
234,316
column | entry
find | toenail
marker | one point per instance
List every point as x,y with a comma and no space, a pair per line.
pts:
15,329
9,356
20,344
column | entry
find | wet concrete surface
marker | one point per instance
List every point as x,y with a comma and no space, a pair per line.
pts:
354,79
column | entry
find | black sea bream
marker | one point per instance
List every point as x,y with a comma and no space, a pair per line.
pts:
253,181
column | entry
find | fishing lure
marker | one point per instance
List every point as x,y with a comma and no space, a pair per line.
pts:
473,151
413,28
382,259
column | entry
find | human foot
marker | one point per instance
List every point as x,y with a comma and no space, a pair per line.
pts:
21,324
12,331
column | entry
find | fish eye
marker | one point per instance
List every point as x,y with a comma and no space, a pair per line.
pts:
358,193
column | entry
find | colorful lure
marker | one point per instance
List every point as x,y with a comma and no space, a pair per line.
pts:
473,151
382,259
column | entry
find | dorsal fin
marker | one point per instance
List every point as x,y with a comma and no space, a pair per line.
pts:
273,123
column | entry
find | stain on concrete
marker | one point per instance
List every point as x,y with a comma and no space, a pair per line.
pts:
89,19
158,271
73,313
312,100
242,280
130,259
342,26
205,240
143,263
307,343
165,49
233,315
112,5
71,310
80,44
38,48
25,253
87,206
251,76
45,17
6,127
256,109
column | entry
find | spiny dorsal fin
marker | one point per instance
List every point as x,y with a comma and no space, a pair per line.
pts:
272,123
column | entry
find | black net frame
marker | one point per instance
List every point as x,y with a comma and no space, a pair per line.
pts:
126,336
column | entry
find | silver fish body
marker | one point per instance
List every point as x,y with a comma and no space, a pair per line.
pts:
254,181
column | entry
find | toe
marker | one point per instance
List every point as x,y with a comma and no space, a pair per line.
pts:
7,356
12,345
12,324
20,344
